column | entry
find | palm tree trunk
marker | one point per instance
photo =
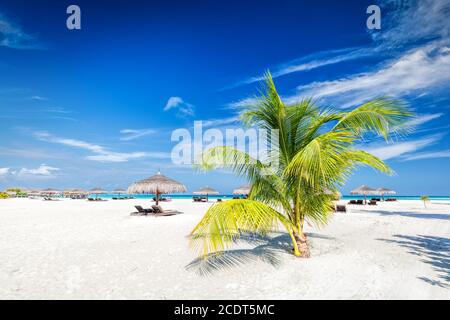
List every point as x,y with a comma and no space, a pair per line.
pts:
302,244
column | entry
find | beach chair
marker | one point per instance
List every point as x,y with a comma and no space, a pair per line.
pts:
142,211
352,202
359,202
159,211
219,200
372,203
341,208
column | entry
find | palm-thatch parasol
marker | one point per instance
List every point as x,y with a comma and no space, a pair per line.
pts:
157,184
384,191
206,191
97,191
50,191
243,190
119,191
364,190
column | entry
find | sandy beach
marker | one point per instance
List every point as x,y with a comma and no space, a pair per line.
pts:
75,249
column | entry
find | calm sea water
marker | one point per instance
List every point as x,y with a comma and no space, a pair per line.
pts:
230,196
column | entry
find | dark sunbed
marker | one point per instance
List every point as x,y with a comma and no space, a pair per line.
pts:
142,211
341,208
159,211
372,203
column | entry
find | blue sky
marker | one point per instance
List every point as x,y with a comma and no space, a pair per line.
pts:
96,106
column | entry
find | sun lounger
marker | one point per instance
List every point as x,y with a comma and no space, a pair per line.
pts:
219,200
372,203
159,211
360,202
352,202
341,208
141,211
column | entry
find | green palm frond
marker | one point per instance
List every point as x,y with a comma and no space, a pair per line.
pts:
383,116
318,161
223,223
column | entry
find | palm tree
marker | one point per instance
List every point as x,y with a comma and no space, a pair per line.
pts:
425,199
317,153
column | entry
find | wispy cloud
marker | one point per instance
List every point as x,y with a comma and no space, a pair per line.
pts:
412,21
310,62
42,171
183,108
220,122
417,71
415,36
4,171
423,118
39,98
131,134
101,154
12,36
428,155
402,149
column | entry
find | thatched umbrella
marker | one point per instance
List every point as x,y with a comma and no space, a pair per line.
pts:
243,190
157,184
364,190
97,191
384,191
206,191
119,191
50,192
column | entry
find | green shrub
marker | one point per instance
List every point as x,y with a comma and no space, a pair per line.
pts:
3,195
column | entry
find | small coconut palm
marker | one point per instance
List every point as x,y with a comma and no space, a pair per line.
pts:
317,153
425,199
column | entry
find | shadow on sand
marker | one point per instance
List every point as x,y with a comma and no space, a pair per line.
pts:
434,251
439,216
268,250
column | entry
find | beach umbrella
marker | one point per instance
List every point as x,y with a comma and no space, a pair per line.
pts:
245,190
119,191
336,194
50,191
157,184
97,191
206,191
364,190
384,191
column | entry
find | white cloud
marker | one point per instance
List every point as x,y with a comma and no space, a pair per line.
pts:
124,157
413,20
406,24
184,109
220,122
428,155
424,118
39,98
400,149
12,36
4,171
418,70
131,134
101,153
43,170
310,62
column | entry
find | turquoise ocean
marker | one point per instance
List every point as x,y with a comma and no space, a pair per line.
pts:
230,196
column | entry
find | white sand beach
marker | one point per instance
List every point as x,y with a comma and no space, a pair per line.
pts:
75,249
